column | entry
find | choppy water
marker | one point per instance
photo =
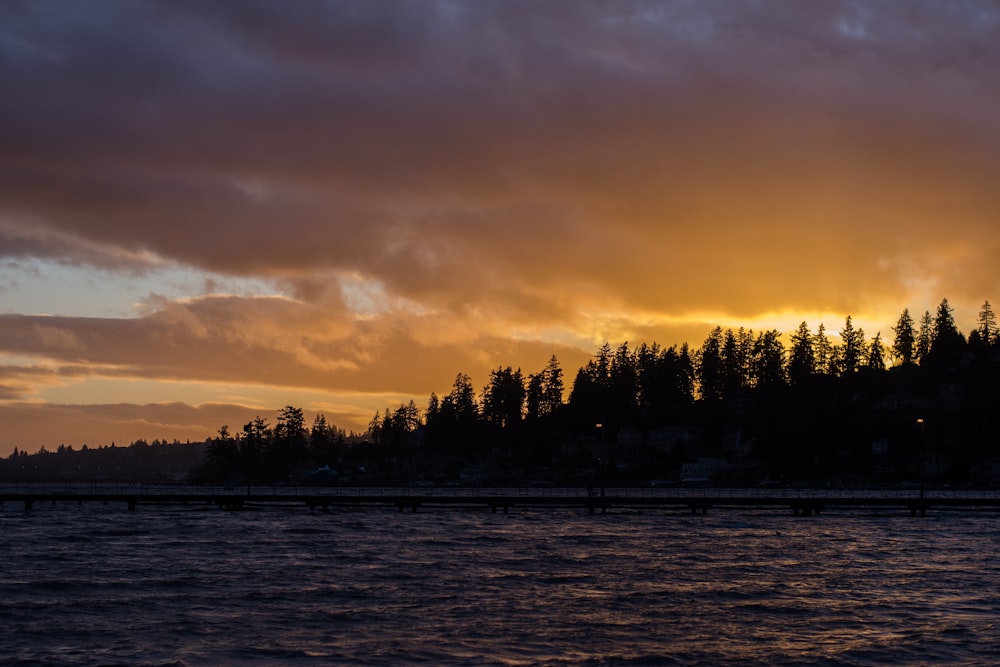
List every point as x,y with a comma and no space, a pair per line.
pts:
99,585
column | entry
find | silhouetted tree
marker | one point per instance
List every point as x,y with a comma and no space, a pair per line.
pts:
455,422
823,352
986,325
552,387
405,420
853,345
904,345
624,384
876,354
324,439
731,370
288,445
645,368
590,398
925,336
602,368
254,442
802,357
710,367
459,405
944,324
947,343
544,391
737,356
392,429
503,398
222,455
375,428
534,396
664,377
433,408
686,372
769,360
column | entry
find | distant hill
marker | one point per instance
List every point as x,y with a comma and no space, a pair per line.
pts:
159,461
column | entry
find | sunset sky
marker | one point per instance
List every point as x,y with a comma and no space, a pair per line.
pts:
209,210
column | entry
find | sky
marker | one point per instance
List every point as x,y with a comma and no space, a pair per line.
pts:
211,210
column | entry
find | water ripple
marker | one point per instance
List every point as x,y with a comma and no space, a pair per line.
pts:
94,585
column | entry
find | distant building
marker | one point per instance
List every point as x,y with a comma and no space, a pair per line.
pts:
703,470
667,438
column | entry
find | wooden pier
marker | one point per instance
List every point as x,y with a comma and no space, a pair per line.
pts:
804,504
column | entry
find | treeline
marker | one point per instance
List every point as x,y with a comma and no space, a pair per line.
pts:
262,452
158,460
818,407
650,385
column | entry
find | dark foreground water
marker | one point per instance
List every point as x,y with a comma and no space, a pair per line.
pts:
99,585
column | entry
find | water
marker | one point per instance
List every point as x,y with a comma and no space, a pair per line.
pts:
175,585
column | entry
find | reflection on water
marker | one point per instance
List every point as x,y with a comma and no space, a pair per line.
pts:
95,585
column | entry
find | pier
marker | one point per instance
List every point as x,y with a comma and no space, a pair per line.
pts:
794,502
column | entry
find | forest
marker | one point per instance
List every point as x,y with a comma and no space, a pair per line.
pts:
743,408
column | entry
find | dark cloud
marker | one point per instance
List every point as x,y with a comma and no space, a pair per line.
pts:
427,144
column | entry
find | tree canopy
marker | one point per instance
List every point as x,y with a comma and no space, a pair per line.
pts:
811,407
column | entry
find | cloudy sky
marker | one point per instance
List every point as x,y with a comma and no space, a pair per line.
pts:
209,210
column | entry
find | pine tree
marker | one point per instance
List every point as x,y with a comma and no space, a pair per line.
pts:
552,387
433,408
602,367
685,375
459,405
945,329
375,427
853,347
732,364
876,355
534,396
802,359
925,335
503,398
624,381
987,324
947,342
903,347
322,438
823,352
711,370
769,360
